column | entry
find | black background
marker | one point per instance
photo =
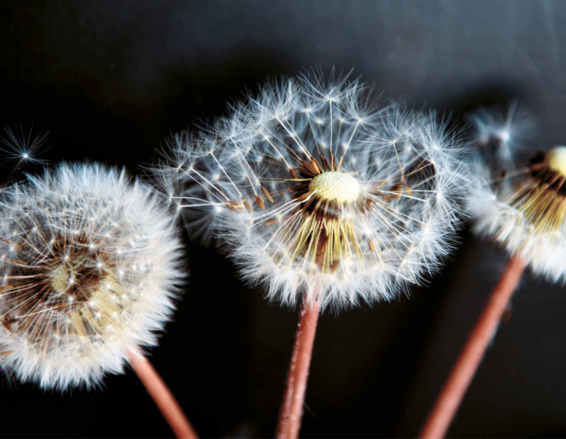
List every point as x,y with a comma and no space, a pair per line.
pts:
111,79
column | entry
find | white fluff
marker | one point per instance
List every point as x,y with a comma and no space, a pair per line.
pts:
240,180
500,172
88,264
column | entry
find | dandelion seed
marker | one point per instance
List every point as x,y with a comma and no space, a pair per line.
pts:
321,199
21,147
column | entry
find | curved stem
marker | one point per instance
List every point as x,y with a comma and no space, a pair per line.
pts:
293,400
161,395
461,376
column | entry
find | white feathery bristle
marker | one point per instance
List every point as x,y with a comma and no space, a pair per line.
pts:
21,146
309,186
89,266
500,134
521,204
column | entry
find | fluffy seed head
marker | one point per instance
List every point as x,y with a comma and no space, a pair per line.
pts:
521,204
87,266
310,185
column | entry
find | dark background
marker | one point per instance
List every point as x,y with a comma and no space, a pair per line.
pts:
111,79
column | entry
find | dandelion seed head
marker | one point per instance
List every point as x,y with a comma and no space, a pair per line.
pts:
520,202
71,303
317,186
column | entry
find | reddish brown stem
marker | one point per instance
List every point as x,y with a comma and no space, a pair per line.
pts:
455,387
292,408
161,395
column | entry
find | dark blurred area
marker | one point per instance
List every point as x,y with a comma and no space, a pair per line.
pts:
110,80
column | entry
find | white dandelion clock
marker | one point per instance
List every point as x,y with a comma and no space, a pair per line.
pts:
321,199
522,206
519,202
88,264
308,184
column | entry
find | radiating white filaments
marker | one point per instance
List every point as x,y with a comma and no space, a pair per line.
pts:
519,200
21,146
308,184
88,266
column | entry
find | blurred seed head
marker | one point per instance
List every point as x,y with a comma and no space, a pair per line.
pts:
518,197
88,265
309,184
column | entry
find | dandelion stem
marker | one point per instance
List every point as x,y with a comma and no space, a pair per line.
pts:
292,408
461,376
162,396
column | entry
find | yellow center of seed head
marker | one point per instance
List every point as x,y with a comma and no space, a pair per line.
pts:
556,159
335,186
60,278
